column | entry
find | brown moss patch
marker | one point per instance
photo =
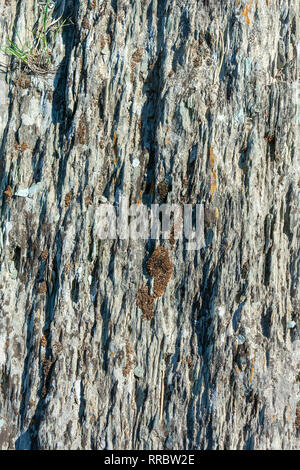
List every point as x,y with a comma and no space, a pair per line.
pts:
68,198
88,200
44,254
160,267
58,347
270,137
21,147
137,56
145,302
67,268
81,131
24,82
172,237
47,365
104,39
297,421
163,189
44,341
135,59
43,287
86,23
130,360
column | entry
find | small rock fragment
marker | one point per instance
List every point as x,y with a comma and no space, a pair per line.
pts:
138,372
135,163
240,339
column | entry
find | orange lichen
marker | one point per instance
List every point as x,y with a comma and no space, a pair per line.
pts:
211,157
8,192
252,371
213,183
140,197
246,11
213,177
115,140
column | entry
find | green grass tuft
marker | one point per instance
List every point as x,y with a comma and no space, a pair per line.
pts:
36,55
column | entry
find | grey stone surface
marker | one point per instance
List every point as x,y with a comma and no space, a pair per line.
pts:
201,94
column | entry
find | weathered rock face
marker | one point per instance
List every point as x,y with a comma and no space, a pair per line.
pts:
190,101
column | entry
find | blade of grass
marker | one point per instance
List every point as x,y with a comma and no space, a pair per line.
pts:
11,51
45,31
15,47
38,47
18,37
45,17
58,30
